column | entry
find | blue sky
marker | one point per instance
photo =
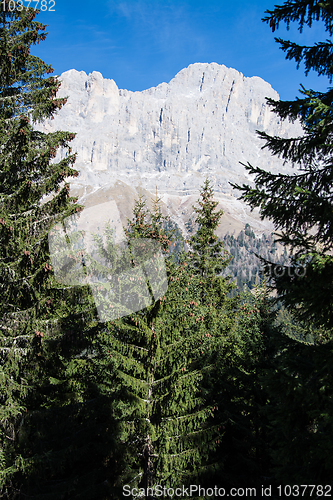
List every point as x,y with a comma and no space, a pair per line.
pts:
141,43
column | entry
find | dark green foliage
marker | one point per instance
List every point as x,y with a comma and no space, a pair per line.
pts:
158,404
302,332
299,386
207,253
298,379
300,205
200,386
68,450
242,456
208,259
34,310
231,381
317,57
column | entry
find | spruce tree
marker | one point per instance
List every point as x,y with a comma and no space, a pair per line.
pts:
34,194
157,350
208,261
226,345
300,205
209,258
298,384
242,457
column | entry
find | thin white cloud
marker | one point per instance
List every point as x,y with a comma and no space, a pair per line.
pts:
167,24
125,9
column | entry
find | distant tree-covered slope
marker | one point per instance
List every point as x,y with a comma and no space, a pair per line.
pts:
245,267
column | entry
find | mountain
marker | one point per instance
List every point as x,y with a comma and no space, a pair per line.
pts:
169,137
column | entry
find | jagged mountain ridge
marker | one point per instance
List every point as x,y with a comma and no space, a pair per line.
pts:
203,122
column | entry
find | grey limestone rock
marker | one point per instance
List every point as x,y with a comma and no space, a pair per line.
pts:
170,137
203,121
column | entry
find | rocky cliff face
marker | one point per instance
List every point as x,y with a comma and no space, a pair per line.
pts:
202,122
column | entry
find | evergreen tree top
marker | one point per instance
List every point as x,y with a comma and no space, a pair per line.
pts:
150,223
314,109
300,205
208,254
302,11
23,86
28,172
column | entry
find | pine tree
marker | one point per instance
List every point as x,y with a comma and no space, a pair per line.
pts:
67,442
157,351
243,453
300,205
208,260
34,195
231,348
297,381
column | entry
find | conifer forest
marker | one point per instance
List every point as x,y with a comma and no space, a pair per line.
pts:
221,376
